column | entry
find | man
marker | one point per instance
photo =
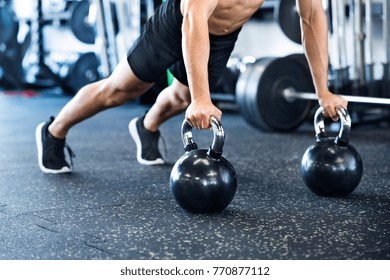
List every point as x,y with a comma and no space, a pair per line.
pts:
194,39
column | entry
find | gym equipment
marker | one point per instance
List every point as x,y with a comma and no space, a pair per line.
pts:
11,51
11,70
331,166
79,23
289,20
9,26
268,89
259,93
369,41
339,68
203,181
84,71
225,89
53,10
231,74
292,94
118,24
359,41
386,46
39,74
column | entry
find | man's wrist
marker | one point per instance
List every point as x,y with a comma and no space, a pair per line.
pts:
203,97
323,92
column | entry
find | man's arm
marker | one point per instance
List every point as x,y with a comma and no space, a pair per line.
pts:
315,42
196,52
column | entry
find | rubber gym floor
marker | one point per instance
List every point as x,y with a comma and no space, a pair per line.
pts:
111,207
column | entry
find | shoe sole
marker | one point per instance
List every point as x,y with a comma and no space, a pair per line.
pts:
38,138
134,134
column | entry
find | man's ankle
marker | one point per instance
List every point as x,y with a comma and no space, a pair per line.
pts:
53,132
149,126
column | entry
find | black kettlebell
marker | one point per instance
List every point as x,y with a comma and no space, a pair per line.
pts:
331,166
203,181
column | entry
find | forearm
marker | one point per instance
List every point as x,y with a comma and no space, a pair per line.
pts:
315,43
196,50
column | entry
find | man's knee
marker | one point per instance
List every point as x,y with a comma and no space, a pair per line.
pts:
122,86
180,96
110,95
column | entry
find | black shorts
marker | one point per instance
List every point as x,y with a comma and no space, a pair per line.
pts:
160,48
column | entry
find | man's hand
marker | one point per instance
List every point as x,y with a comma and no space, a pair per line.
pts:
330,102
199,112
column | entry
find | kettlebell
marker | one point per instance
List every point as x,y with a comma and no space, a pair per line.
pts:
331,166
202,180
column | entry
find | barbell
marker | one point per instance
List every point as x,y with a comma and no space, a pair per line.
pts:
291,94
277,94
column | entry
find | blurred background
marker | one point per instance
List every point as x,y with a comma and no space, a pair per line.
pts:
57,46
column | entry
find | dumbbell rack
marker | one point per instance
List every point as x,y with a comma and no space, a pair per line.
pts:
39,74
49,63
69,66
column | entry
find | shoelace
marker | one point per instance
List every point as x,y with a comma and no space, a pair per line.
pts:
71,153
165,146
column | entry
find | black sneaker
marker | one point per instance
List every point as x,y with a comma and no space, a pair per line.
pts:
147,143
51,156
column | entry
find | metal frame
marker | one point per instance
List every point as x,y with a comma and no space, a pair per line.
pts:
129,21
386,39
362,45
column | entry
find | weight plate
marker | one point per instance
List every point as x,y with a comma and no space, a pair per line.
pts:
241,85
84,71
248,104
79,24
246,91
8,25
289,20
230,76
259,94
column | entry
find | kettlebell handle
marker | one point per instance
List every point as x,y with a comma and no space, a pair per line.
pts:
343,137
215,150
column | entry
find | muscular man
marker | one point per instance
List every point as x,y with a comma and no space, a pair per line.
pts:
194,39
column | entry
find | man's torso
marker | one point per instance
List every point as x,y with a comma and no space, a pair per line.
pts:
230,15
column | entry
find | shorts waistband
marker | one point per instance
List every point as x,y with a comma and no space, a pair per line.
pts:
233,34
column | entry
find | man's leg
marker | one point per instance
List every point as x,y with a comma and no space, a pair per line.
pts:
119,88
171,101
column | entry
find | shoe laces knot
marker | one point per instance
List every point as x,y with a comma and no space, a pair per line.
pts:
71,153
165,146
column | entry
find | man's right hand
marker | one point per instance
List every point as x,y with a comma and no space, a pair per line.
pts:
199,112
330,102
